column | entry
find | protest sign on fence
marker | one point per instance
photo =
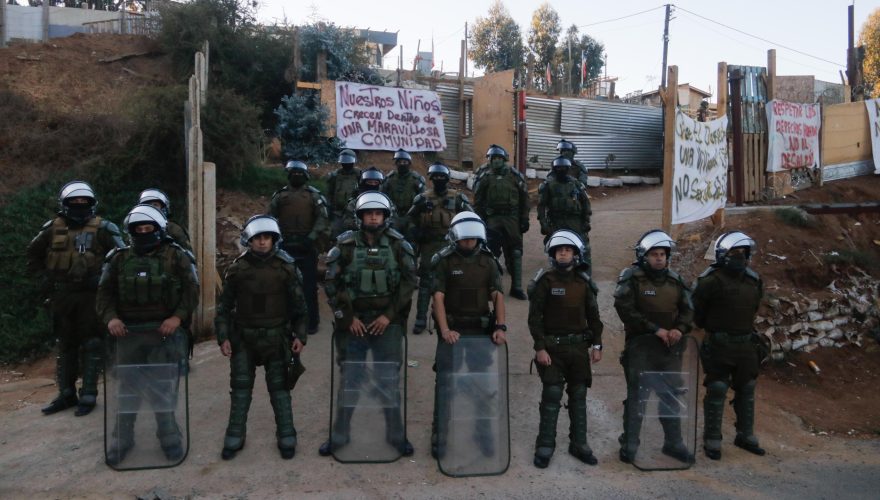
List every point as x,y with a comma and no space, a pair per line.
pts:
873,106
387,118
793,133
699,179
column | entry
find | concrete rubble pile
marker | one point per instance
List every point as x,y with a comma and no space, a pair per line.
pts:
801,323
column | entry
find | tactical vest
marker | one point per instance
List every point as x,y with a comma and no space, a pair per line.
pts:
346,185
149,290
262,293
74,254
373,275
402,189
566,199
657,302
565,310
296,211
733,309
502,195
435,223
468,281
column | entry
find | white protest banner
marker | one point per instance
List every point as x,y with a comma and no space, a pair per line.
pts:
793,133
699,177
387,118
873,106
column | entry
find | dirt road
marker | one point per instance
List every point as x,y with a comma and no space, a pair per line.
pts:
61,456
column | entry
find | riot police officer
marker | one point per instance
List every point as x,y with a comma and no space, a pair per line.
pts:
726,299
371,180
466,279
150,287
654,305
160,200
341,186
567,333
563,203
260,321
429,219
302,215
68,252
568,149
502,200
369,284
402,186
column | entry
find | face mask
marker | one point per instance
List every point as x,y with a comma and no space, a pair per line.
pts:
296,180
402,168
79,213
560,173
737,263
497,163
145,242
440,185
347,166
567,153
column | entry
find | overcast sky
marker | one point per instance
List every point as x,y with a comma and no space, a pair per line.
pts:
634,45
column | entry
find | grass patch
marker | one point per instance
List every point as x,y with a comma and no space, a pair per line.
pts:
859,258
795,217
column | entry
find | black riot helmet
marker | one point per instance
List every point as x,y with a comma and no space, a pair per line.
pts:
564,146
371,179
496,150
77,212
439,175
297,172
561,167
347,158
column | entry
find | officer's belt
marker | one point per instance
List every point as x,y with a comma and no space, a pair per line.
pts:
730,338
573,339
262,332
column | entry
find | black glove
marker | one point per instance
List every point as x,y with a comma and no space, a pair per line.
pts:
524,227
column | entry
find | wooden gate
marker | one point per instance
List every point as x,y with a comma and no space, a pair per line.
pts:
753,92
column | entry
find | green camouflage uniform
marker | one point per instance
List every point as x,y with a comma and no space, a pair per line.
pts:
68,256
402,189
143,291
341,186
501,199
261,311
429,219
366,281
565,205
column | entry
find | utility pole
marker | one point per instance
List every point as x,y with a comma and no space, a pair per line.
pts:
2,23
665,44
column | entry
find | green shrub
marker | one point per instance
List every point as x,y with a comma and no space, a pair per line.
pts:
795,217
302,122
860,258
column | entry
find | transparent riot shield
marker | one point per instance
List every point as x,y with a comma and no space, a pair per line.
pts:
665,419
146,418
473,429
368,400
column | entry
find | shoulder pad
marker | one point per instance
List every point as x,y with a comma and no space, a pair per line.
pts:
443,252
627,274
109,226
276,193
284,256
539,275
677,277
709,270
333,173
333,254
586,277
112,252
311,189
407,246
394,233
345,238
543,186
173,244
752,274
419,198
48,224
463,197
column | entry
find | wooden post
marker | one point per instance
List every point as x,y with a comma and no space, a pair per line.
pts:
736,125
721,110
670,97
208,262
203,77
462,119
194,183
771,74
2,23
45,20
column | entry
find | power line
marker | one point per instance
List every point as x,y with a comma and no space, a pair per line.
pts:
622,17
759,38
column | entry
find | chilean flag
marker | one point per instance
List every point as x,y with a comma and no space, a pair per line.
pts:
547,76
583,66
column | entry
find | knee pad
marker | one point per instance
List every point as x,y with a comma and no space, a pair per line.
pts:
517,253
241,381
93,344
551,394
578,392
748,389
716,390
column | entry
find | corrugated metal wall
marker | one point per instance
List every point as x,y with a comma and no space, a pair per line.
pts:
451,122
632,133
